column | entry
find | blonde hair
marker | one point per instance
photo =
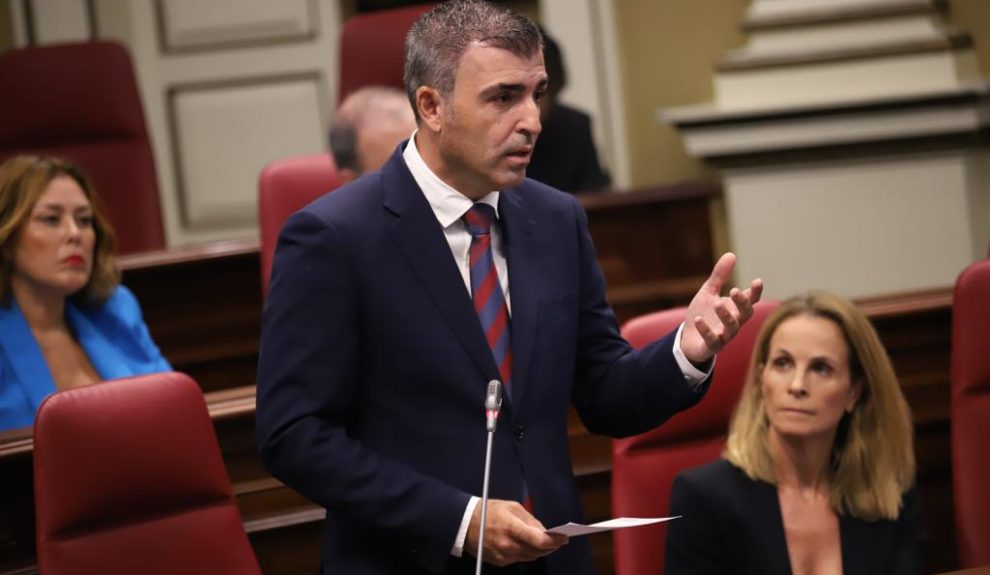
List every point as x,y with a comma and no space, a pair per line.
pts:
23,180
873,455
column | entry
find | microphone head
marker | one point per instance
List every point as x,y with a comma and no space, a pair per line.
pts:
493,396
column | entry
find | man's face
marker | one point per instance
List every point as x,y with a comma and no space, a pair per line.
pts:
489,124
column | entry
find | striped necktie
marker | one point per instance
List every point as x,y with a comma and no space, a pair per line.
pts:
486,291
489,302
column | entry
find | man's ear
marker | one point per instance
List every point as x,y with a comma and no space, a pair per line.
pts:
429,104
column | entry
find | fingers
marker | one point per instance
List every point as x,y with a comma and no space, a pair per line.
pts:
534,542
721,272
712,320
731,313
512,535
713,341
755,290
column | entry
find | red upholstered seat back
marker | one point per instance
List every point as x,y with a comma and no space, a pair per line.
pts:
128,479
372,48
644,466
286,186
81,102
970,412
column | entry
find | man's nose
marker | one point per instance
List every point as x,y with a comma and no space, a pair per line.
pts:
530,121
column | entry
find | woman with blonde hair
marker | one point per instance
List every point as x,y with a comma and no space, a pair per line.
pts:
818,473
64,318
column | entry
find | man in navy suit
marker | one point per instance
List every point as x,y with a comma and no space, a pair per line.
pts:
374,361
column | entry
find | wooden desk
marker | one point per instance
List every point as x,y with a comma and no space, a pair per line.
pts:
202,305
654,245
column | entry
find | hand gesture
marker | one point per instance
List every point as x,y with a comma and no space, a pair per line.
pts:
712,320
512,535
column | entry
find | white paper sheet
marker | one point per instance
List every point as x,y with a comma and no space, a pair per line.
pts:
575,529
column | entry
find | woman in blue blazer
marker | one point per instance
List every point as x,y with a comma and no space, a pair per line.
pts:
64,319
819,469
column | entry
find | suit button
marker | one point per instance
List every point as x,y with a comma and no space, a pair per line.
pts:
520,432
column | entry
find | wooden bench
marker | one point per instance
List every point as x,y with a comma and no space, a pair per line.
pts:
202,305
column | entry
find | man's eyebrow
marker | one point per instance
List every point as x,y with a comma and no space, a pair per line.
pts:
512,87
503,87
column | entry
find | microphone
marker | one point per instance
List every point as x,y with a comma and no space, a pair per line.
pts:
493,403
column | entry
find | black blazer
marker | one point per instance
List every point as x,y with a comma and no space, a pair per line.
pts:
732,524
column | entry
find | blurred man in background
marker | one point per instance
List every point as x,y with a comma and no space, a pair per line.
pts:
366,129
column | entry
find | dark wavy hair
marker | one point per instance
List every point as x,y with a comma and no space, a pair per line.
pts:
23,180
439,38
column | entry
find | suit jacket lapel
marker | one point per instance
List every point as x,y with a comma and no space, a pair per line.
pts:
25,356
106,358
767,504
520,252
420,238
858,546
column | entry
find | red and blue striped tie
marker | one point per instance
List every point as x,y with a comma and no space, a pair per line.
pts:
486,291
489,301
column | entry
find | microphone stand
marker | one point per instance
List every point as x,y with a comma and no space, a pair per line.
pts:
493,402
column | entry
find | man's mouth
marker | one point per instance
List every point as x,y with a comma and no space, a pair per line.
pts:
521,153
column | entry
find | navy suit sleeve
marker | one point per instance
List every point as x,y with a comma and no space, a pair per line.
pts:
620,391
308,375
693,546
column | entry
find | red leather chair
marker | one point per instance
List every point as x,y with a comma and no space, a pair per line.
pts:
128,479
970,411
286,186
81,102
372,48
644,466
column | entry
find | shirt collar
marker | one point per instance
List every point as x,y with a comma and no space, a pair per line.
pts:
447,203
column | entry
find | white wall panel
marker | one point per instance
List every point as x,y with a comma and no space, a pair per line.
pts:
189,24
279,119
60,21
860,228
251,81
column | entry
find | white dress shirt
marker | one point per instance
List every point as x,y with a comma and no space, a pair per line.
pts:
449,206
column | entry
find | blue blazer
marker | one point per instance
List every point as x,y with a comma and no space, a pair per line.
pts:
732,524
114,337
373,367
